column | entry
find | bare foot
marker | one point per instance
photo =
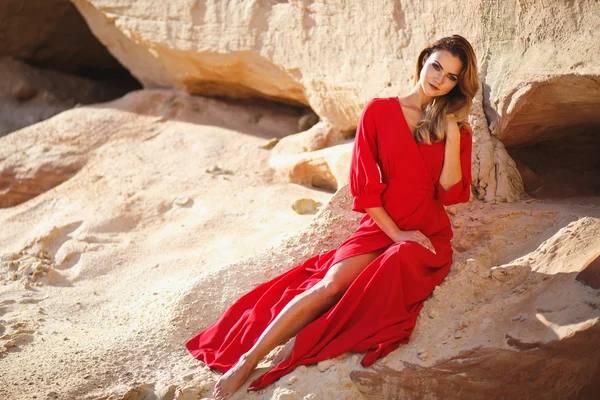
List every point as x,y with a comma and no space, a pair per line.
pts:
229,383
285,352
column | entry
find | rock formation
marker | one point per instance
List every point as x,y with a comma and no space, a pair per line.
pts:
335,56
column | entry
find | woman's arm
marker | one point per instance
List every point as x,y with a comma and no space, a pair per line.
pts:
451,170
384,221
389,227
454,183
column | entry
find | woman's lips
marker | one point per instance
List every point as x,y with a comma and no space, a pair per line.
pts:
434,87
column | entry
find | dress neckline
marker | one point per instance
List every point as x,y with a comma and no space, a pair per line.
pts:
397,99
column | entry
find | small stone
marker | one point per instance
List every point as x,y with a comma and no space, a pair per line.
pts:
181,201
270,144
304,206
499,274
324,365
291,380
161,118
216,170
433,313
302,369
457,334
346,382
423,354
354,361
167,392
451,210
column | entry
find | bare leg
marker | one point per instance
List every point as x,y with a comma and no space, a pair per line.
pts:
298,313
285,352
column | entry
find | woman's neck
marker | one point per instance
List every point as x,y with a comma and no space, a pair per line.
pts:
417,98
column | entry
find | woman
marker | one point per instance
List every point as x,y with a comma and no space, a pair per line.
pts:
412,156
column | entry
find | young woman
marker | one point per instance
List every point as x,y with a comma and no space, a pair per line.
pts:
412,156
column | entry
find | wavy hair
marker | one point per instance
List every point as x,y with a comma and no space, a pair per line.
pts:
432,126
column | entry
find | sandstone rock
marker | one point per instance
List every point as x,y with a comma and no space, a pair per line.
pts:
590,275
328,168
554,337
495,175
317,137
486,373
523,62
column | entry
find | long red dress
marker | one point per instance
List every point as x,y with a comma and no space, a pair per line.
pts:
380,308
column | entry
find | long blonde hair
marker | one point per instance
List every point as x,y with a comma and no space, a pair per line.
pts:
432,126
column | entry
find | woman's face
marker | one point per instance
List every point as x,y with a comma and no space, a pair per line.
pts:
440,73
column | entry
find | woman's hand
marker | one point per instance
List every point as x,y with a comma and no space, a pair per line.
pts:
415,236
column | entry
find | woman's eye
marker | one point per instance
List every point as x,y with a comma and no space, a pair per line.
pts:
437,68
452,78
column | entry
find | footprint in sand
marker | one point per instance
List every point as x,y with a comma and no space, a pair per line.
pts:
38,262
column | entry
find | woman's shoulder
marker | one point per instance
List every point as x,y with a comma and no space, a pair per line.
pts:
379,103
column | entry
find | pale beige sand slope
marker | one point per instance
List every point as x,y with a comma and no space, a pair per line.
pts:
145,213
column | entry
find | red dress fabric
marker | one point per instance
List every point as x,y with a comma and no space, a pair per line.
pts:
380,308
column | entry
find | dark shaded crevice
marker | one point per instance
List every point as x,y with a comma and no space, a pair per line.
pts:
50,61
566,166
553,134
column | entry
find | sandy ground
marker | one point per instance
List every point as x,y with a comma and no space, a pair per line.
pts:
127,235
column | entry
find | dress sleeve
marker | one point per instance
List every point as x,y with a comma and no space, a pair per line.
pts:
365,179
460,192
